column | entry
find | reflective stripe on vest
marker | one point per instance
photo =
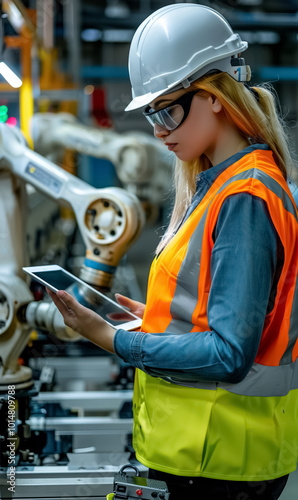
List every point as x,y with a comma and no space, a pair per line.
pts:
281,380
214,413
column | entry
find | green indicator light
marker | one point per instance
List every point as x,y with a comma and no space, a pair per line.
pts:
3,110
3,118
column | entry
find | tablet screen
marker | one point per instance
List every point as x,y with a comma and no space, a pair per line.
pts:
86,296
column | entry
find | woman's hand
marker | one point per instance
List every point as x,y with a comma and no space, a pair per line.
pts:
134,306
83,321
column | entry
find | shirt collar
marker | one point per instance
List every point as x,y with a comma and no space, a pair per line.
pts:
212,173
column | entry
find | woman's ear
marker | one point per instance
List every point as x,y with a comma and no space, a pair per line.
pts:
215,103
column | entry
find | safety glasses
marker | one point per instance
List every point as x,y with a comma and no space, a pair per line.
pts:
173,115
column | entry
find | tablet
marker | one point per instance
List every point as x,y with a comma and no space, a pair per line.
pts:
56,278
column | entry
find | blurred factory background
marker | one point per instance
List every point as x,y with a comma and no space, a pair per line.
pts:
86,186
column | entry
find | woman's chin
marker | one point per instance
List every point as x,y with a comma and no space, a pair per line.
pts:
183,156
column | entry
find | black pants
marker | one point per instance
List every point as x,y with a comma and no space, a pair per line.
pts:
201,488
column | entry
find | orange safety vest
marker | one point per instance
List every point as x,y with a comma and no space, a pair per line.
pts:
242,431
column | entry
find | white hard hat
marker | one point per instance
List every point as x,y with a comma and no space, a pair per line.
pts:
176,45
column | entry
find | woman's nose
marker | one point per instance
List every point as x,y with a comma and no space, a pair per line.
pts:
160,131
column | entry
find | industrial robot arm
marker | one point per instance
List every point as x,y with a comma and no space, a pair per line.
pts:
109,219
142,163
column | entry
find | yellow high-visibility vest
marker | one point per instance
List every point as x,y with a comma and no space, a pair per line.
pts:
242,431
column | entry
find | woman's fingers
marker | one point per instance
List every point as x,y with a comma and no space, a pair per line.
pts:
65,303
60,304
127,302
63,299
135,307
124,301
68,300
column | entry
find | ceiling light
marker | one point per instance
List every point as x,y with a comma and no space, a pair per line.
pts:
10,76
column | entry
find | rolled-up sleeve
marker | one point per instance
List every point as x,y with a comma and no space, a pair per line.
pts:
243,268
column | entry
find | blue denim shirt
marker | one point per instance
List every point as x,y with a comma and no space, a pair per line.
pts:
245,264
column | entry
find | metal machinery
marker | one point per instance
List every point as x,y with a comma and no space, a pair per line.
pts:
109,220
143,164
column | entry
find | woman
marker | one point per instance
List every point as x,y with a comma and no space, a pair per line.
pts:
215,397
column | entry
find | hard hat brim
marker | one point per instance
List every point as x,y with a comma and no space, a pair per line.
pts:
143,100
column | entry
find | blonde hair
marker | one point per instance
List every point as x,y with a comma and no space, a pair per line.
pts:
255,116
